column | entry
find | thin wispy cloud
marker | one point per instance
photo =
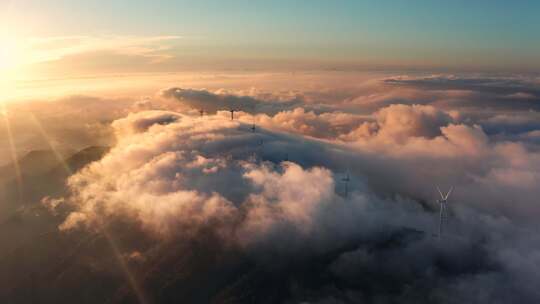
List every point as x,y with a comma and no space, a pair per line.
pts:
269,152
44,49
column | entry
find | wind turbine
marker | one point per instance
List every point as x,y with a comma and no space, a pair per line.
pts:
346,180
260,146
253,117
257,151
232,113
442,211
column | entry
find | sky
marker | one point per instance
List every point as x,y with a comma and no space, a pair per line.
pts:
460,35
244,141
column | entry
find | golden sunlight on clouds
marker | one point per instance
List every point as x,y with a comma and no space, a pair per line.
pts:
10,59
30,50
57,47
25,61
17,52
8,55
11,53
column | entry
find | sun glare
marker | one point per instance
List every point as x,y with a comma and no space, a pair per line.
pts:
9,53
11,57
5,57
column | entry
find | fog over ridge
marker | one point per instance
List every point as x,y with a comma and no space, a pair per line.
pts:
259,201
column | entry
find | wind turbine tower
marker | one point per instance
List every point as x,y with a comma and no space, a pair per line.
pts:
443,215
232,113
346,180
257,151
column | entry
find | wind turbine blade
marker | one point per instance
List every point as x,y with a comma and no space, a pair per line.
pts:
442,196
449,192
440,220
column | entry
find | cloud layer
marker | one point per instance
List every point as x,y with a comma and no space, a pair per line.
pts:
259,203
281,195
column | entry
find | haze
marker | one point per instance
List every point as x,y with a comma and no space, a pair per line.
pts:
269,151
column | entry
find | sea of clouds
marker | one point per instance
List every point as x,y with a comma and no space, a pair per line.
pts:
270,182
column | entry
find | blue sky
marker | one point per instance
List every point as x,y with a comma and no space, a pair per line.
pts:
441,32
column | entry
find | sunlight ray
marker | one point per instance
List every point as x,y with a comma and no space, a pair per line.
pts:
13,152
130,277
110,240
47,138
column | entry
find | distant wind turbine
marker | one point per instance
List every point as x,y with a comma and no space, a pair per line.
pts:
442,211
253,117
257,151
346,180
232,113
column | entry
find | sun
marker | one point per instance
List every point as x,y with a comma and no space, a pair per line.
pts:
11,60
10,56
5,57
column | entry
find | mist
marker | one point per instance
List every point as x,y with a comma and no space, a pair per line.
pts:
258,207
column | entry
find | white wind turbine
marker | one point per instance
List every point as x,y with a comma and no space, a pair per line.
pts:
253,117
346,180
442,211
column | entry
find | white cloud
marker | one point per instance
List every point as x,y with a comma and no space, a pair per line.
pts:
177,176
